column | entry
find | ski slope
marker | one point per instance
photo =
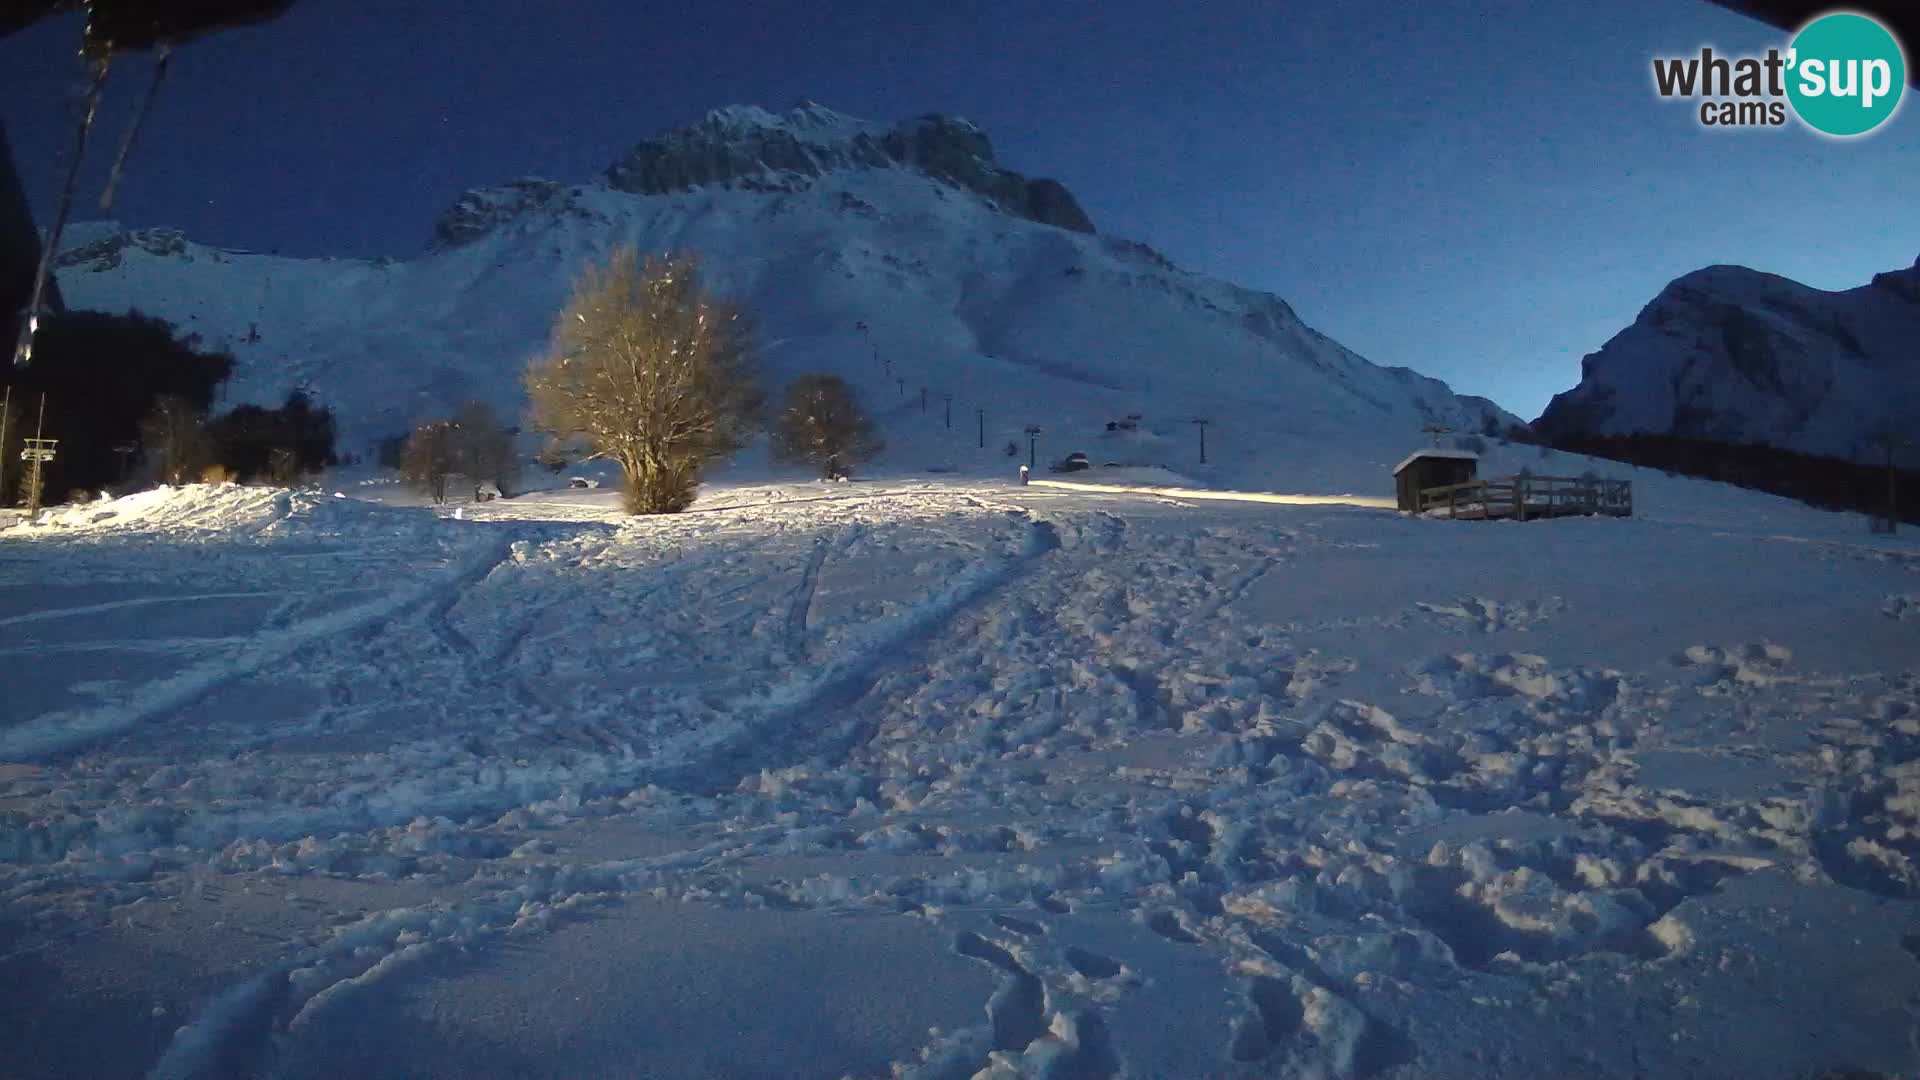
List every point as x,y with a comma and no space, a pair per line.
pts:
945,778
959,322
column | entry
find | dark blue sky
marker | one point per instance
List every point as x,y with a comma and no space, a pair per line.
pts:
1482,191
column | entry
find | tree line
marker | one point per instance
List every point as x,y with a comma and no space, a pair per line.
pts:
130,401
648,369
1827,482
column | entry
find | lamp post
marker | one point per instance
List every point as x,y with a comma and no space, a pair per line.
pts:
1033,433
982,414
1202,423
947,401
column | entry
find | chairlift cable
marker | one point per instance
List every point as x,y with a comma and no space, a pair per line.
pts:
23,349
133,130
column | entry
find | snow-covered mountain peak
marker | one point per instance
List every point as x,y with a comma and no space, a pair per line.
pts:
807,120
1732,354
479,211
101,245
751,148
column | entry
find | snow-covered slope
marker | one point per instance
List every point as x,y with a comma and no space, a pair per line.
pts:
971,281
948,779
1735,355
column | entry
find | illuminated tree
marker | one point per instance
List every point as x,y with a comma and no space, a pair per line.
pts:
651,370
821,424
427,458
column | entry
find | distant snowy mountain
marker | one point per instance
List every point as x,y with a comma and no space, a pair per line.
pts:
970,280
1734,355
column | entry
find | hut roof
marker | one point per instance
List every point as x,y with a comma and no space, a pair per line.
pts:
1432,452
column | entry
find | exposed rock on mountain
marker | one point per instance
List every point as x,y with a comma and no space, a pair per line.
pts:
758,150
1732,355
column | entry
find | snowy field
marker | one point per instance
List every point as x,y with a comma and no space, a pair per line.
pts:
951,780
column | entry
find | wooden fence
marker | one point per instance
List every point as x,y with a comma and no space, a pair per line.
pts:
1525,498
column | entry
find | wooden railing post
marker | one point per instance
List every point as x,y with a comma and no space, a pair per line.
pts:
1560,496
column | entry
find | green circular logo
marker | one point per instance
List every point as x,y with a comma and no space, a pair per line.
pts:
1845,74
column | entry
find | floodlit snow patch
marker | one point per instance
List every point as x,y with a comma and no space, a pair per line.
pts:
1223,496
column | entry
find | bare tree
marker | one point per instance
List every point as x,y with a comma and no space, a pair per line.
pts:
651,370
427,458
821,424
482,446
12,412
175,437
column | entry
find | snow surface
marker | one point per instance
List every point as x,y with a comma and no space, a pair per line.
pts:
950,778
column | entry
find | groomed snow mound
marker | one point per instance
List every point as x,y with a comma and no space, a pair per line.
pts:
228,510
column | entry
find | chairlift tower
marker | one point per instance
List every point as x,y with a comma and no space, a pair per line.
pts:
36,453
866,335
1889,522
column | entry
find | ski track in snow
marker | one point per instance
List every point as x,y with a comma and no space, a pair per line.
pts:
66,730
803,592
119,605
1198,795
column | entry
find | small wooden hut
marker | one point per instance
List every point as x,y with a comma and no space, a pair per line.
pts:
1431,468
